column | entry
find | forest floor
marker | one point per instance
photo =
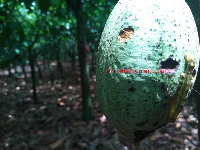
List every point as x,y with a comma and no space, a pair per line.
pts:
55,123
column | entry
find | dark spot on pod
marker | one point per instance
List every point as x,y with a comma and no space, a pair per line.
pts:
164,106
194,72
111,55
132,89
157,46
121,48
142,123
166,93
169,66
155,102
155,124
129,81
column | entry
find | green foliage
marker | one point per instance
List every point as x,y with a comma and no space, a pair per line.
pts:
32,30
7,59
28,3
19,28
6,33
44,5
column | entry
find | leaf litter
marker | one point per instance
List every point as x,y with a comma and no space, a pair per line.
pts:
55,123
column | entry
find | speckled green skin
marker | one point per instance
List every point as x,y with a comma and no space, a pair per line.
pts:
133,103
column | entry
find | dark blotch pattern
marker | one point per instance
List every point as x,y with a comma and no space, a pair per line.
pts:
164,88
132,89
156,123
194,73
169,63
141,123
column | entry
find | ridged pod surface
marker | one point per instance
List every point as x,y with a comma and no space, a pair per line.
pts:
150,34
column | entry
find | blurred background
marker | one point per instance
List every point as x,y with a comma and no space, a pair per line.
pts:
48,83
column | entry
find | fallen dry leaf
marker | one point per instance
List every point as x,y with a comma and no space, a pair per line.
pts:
58,142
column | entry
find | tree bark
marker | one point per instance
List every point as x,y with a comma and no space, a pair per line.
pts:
59,63
32,64
23,69
51,73
87,113
9,70
39,69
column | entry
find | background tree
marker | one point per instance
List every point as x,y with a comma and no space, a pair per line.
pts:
86,101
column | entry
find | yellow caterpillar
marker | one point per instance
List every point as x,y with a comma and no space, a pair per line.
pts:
186,81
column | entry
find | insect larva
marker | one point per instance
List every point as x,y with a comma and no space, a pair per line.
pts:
185,84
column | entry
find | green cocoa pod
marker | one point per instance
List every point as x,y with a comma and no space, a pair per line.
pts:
141,36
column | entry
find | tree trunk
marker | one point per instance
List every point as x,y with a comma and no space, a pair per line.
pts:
39,70
23,69
73,60
87,113
51,73
9,70
15,74
32,64
93,60
15,68
59,63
